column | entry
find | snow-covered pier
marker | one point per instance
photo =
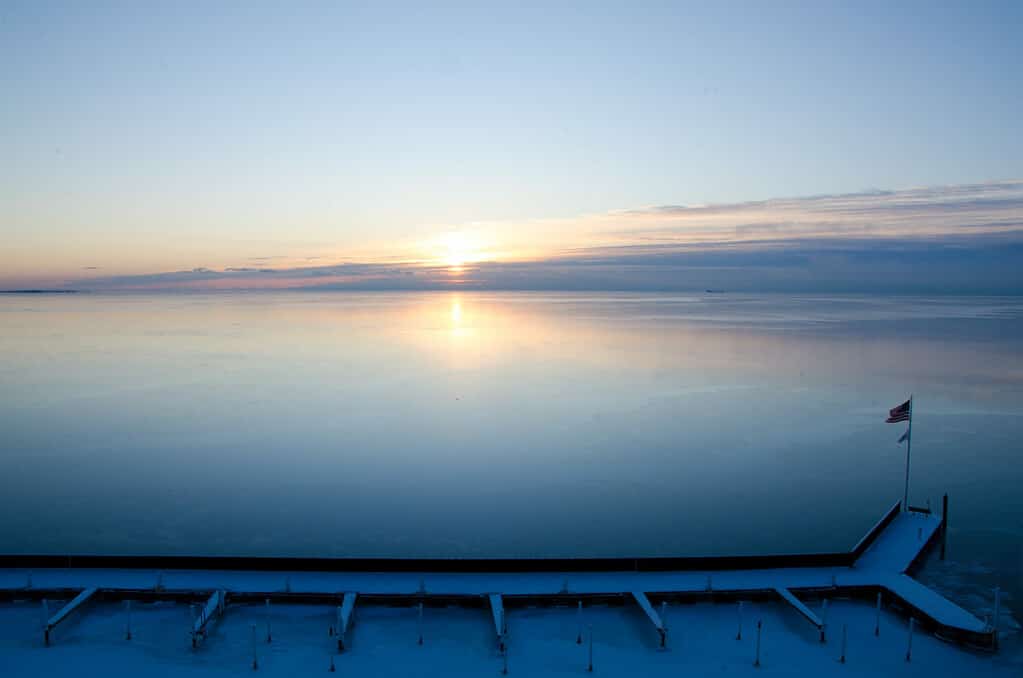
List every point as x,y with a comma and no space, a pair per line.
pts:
66,611
877,568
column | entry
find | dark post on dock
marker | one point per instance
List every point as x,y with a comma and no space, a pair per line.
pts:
944,524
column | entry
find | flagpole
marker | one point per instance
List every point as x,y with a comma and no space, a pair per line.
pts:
909,446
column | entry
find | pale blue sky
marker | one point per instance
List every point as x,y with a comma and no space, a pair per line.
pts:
141,137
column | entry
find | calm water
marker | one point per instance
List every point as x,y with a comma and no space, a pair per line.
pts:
503,424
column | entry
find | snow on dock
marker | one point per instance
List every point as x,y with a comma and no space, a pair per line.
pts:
500,624
901,542
879,563
648,610
214,607
930,604
344,618
66,611
787,596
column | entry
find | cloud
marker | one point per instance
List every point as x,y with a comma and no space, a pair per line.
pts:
956,239
946,210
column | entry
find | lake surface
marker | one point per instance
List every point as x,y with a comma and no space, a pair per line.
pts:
504,424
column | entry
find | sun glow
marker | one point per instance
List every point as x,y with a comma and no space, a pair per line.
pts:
456,249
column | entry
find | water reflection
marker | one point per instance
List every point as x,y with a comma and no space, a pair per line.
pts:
495,424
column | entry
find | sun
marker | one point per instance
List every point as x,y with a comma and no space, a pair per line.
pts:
457,250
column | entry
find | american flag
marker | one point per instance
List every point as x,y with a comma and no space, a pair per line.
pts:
899,413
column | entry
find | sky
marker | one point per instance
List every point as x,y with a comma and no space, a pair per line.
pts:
785,146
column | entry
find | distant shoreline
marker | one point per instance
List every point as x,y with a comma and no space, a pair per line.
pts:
39,291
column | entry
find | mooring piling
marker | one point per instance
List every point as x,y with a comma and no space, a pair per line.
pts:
738,632
579,623
255,656
127,620
337,630
944,524
998,605
589,666
877,616
269,636
419,623
844,634
909,642
756,661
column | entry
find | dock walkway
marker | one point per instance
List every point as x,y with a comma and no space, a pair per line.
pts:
880,562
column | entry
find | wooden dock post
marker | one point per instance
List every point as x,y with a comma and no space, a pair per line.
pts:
268,634
994,624
841,659
419,623
589,666
944,524
909,643
255,655
877,616
738,633
127,614
756,662
579,623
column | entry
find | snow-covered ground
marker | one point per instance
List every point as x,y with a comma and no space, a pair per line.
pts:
461,642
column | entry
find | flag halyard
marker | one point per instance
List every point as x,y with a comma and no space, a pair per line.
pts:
904,412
